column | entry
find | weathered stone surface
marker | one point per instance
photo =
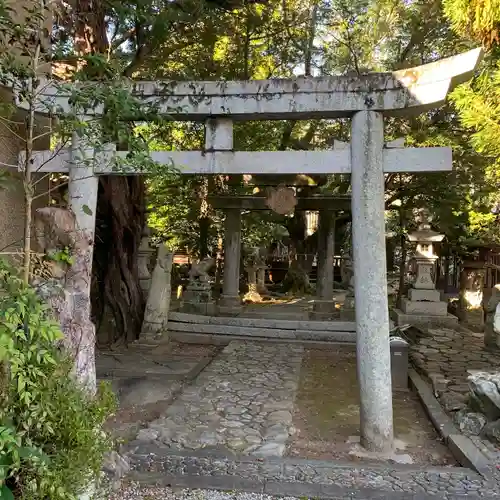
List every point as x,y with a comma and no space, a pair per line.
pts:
485,392
115,466
264,323
232,243
368,228
242,402
432,308
470,423
416,294
276,476
492,431
297,98
453,401
439,383
158,303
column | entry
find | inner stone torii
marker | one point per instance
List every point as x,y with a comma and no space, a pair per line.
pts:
366,100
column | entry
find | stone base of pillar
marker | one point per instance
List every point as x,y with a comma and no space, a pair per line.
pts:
323,310
229,305
204,308
424,320
198,300
424,307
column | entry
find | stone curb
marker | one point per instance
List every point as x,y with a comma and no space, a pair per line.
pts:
443,424
147,449
203,469
275,488
462,448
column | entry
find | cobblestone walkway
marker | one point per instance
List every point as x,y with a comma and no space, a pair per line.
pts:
242,402
451,353
444,356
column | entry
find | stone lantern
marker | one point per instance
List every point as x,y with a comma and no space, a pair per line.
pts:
425,259
423,306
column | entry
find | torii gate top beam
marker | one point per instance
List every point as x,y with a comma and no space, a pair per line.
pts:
409,91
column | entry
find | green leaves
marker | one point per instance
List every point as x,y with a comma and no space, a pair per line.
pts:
48,423
6,493
86,210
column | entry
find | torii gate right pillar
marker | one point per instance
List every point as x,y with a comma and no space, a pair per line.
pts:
370,285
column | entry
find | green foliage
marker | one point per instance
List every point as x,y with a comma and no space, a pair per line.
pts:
476,19
479,105
62,255
50,442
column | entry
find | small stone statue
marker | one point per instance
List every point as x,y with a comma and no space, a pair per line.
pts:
199,271
55,228
198,296
55,231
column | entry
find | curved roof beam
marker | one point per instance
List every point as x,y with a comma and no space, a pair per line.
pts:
403,92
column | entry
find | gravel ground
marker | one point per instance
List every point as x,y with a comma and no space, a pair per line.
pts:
136,492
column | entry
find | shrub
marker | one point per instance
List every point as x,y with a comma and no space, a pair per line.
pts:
51,443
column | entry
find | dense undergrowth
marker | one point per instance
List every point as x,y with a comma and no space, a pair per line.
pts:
51,443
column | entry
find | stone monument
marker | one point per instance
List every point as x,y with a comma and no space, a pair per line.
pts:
144,257
255,266
198,296
154,325
423,306
348,311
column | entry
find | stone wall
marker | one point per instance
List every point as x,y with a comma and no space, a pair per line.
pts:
12,198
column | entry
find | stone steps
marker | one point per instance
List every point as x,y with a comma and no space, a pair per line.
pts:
152,464
191,328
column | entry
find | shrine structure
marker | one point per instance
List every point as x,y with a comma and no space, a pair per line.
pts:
364,99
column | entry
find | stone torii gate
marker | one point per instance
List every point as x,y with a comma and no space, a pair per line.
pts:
366,100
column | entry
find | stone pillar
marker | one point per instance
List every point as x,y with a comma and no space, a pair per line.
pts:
261,281
154,325
324,307
230,302
143,261
372,311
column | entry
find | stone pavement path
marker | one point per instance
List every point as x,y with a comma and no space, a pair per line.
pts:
450,353
242,402
445,356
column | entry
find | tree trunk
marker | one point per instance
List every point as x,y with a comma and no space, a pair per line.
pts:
297,278
118,305
118,302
